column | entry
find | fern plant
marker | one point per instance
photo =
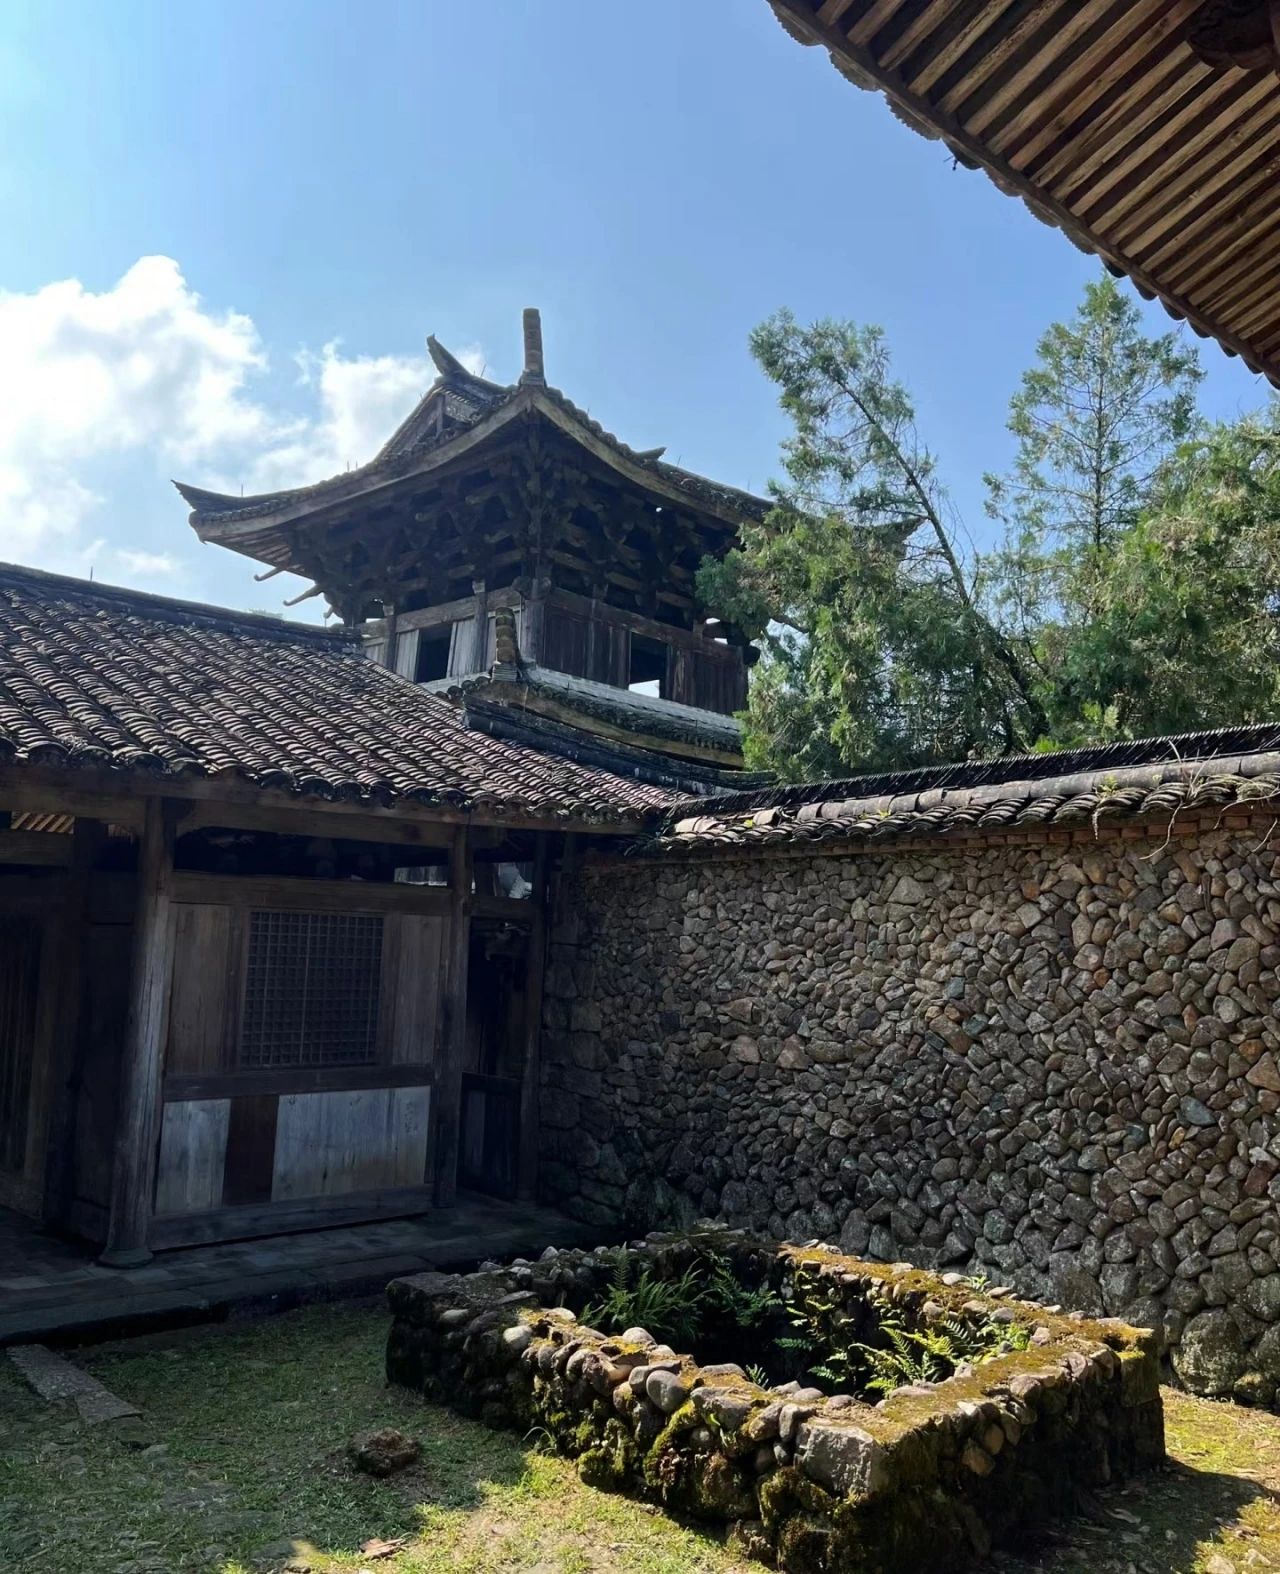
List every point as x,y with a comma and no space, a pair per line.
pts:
930,1355
821,1328
744,1307
910,1355
666,1308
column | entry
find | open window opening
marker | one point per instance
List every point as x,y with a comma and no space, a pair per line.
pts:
433,653
647,671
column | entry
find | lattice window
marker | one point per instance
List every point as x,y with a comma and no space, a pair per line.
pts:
311,990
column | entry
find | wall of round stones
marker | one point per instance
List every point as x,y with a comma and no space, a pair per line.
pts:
1056,1065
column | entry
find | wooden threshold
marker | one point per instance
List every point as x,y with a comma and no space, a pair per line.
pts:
283,1218
186,1086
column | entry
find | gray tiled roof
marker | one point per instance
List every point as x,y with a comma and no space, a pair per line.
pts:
1153,778
92,676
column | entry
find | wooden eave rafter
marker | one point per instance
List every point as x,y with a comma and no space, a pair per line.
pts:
120,797
1102,116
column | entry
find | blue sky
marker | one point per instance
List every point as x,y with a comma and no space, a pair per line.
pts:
318,185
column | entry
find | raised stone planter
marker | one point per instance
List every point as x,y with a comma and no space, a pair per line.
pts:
925,1478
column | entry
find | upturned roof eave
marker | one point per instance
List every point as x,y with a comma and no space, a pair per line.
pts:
254,514
231,521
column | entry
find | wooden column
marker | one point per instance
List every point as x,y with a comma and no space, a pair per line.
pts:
453,1036
481,647
138,1117
531,1074
391,638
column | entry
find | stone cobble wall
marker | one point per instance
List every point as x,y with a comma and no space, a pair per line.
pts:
1056,1063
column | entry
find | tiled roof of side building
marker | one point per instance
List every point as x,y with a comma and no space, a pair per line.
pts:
1143,778
97,677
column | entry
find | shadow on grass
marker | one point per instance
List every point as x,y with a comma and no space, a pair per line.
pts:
1171,1521
480,1499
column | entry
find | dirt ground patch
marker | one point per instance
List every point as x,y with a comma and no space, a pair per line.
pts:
241,1467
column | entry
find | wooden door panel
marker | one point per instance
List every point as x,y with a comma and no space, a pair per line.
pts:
193,1148
331,1143
208,973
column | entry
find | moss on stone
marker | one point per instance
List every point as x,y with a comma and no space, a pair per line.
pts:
1070,1410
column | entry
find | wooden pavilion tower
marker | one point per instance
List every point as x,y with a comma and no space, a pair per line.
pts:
504,548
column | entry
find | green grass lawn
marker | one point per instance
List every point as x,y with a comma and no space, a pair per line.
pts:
247,1470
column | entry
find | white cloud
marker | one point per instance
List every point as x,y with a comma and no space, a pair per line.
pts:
146,369
361,402
146,565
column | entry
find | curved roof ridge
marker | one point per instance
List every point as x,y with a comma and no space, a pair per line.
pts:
175,608
1173,748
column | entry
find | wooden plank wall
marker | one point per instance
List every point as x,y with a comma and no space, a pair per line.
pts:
250,1138
596,644
19,984
595,647
330,1143
707,678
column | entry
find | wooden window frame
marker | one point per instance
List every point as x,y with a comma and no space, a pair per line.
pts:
289,1046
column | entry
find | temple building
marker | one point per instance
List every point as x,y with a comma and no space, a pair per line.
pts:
274,898
503,549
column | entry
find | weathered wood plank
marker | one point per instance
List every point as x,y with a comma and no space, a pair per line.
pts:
309,896
412,974
35,847
531,1072
70,950
139,1115
406,652
312,1213
328,1144
298,820
294,1079
20,971
207,978
193,1147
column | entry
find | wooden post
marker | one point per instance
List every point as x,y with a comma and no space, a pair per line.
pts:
390,651
453,1038
138,1119
72,941
531,1074
480,649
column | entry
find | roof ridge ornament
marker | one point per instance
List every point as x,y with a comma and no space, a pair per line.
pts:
446,362
534,371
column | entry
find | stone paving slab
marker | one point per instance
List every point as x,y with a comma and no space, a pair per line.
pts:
56,1380
65,1295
